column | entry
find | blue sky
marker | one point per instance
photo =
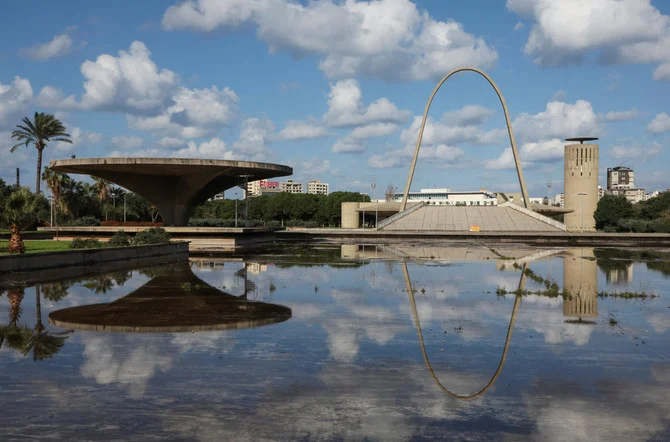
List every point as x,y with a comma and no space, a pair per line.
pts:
335,88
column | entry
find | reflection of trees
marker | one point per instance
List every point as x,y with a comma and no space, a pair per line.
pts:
517,302
55,291
14,334
19,337
619,259
99,284
42,343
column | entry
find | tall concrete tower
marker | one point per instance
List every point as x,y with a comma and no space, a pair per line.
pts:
581,184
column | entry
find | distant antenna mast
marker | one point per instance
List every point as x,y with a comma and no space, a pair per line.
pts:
549,188
18,178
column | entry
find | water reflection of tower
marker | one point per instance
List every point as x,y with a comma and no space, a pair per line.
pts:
620,275
580,280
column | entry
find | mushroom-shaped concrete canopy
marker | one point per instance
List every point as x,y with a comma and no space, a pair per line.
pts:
174,301
175,185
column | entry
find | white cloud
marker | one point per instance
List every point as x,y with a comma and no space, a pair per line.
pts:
662,73
622,115
437,133
316,166
53,97
125,142
471,114
58,46
348,145
15,100
346,109
518,26
373,130
212,149
298,130
142,153
660,124
559,120
80,139
389,39
255,135
559,95
624,31
170,142
203,107
130,82
635,152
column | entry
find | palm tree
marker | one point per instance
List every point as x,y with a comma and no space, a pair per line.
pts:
43,129
58,183
104,189
15,334
19,213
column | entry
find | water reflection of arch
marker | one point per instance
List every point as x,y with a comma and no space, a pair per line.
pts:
174,300
517,302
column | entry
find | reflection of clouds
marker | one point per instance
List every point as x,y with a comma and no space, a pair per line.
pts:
345,403
661,372
659,322
622,411
126,363
210,342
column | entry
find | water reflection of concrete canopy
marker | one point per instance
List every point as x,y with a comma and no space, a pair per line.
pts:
175,300
175,185
517,161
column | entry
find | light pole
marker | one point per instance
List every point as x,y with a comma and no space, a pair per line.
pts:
124,206
581,209
235,208
373,186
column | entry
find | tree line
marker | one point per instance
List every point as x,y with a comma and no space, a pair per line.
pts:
287,209
617,214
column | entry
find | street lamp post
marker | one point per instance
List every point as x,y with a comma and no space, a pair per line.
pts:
124,206
373,186
235,208
581,208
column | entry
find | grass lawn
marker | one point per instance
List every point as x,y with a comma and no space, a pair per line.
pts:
36,246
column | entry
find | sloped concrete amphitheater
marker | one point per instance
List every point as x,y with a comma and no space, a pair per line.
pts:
467,218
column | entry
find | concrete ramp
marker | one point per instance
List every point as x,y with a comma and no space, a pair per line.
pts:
470,218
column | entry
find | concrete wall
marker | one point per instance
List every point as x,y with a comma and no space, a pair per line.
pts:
37,261
350,218
581,186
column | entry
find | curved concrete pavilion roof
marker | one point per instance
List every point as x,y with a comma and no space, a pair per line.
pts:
175,185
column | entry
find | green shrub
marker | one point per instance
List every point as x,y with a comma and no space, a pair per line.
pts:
85,243
155,235
120,239
84,221
274,224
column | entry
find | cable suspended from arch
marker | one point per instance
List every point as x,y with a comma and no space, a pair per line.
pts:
517,161
508,339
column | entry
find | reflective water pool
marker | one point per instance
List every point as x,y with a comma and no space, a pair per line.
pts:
352,342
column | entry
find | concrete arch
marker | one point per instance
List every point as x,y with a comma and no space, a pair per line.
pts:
517,161
503,358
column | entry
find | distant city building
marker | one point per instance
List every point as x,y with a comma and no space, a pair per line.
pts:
601,192
559,200
620,177
445,197
316,187
291,186
259,187
632,195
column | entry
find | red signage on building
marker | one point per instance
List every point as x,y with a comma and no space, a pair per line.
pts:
269,184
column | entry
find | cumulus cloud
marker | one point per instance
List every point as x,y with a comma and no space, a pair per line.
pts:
623,31
389,39
15,100
438,133
298,130
558,120
622,115
346,109
635,152
60,45
471,114
80,139
660,124
125,142
53,97
316,166
255,135
170,142
214,148
348,145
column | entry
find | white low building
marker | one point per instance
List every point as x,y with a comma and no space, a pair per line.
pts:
447,197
